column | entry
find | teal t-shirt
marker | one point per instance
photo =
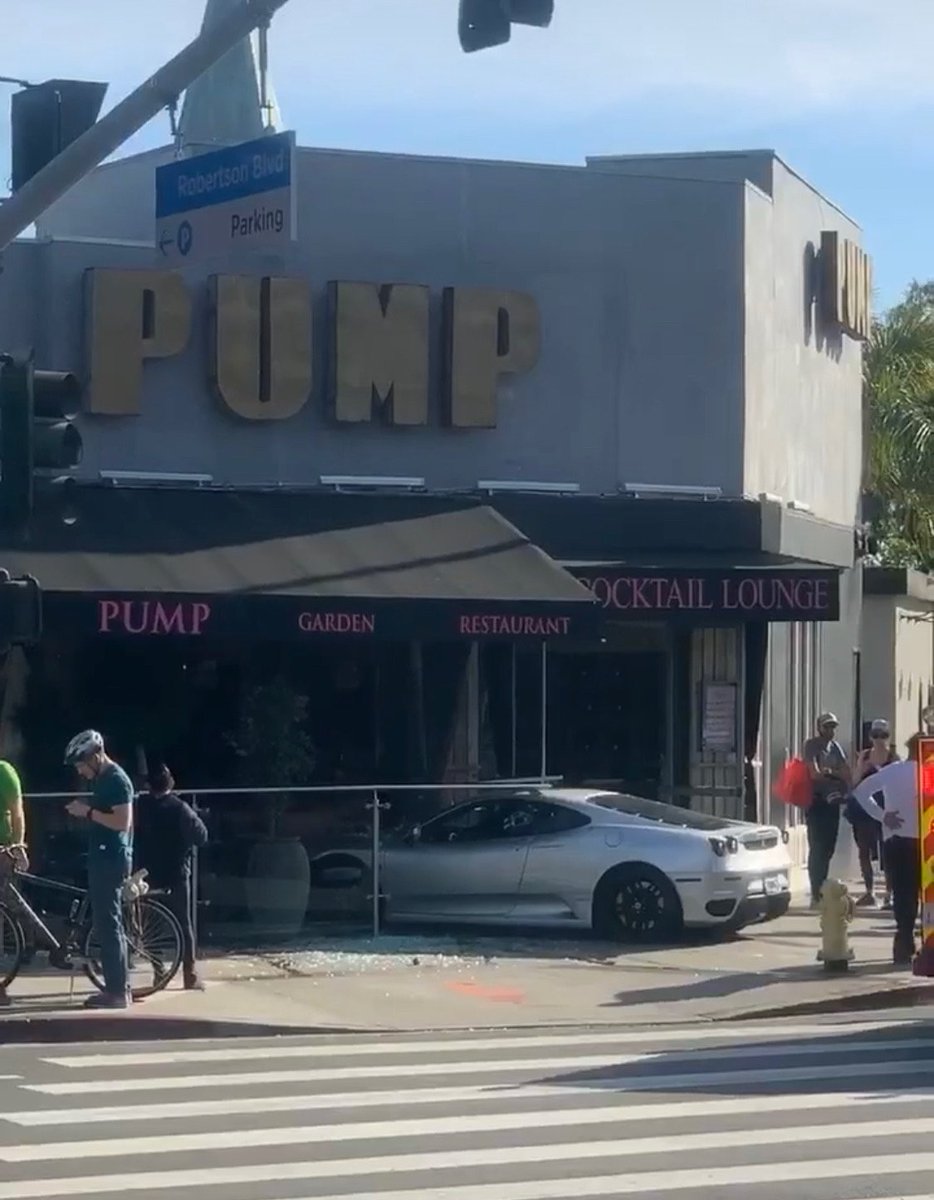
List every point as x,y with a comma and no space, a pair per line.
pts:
111,788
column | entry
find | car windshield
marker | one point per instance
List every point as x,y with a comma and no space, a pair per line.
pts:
652,810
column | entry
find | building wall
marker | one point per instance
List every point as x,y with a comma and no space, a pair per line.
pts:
670,352
797,374
877,644
803,427
898,662
914,666
116,202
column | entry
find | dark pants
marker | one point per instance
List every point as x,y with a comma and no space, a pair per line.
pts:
178,899
106,877
903,859
867,835
823,825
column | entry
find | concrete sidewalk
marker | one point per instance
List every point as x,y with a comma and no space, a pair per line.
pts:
413,982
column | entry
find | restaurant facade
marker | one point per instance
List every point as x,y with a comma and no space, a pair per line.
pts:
505,470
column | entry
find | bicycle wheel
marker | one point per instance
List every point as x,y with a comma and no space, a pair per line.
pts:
154,948
12,946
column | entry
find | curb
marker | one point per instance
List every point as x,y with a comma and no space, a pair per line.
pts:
82,1027
908,996
91,1028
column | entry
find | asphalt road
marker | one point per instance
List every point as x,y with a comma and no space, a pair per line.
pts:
788,1111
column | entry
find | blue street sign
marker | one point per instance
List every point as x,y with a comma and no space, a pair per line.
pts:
237,197
234,173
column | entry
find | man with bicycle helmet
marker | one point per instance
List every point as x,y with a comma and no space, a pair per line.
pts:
12,831
108,810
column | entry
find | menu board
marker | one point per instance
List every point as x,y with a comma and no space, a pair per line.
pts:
718,727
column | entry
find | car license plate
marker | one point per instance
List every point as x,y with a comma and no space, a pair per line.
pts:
773,885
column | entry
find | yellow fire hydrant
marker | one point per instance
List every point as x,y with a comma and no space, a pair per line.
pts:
836,912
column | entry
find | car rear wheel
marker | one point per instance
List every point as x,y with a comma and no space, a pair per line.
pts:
637,904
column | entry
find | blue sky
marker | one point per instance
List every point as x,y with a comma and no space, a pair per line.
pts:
842,89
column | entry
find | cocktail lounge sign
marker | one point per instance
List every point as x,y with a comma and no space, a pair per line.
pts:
260,350
740,595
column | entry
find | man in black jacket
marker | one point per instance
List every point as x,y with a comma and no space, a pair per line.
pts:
167,831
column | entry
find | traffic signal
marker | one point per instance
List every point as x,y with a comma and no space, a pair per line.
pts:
37,436
20,611
45,118
486,23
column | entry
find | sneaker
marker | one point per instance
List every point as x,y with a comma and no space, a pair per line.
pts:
887,902
107,1000
193,983
867,901
60,960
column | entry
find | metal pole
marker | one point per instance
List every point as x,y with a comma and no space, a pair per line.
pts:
131,114
515,719
195,884
375,871
544,763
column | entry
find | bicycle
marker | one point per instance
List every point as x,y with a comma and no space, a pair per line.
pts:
153,934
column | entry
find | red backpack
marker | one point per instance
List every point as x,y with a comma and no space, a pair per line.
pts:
793,785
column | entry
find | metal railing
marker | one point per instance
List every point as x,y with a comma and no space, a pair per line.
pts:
377,803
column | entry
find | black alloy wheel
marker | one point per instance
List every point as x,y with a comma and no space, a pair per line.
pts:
637,904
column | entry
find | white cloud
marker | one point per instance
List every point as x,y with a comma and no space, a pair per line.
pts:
787,56
791,55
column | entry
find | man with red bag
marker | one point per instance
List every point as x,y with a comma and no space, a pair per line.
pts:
831,782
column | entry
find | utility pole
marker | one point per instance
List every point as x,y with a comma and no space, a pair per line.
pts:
131,114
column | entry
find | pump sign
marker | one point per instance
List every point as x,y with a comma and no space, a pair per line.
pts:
926,827
240,197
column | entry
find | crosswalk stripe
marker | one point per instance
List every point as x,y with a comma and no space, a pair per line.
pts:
511,1116
355,1168
500,1067
390,1130
552,1189
481,1094
423,1049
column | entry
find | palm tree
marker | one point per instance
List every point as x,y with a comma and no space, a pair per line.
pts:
898,401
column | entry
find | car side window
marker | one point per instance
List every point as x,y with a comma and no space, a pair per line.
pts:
517,819
469,823
555,818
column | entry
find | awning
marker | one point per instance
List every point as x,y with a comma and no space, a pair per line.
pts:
151,562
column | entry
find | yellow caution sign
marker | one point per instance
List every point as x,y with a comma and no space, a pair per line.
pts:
926,839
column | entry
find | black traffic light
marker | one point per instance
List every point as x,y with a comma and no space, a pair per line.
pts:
20,611
486,23
45,118
36,432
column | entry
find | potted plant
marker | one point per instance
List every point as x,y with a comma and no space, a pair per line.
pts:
275,750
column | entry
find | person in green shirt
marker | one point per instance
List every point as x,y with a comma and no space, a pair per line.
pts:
12,816
12,826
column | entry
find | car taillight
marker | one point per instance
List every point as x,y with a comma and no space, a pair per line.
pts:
724,846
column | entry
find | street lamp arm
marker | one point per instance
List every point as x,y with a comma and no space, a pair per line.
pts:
130,115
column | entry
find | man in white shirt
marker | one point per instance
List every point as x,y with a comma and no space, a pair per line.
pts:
898,784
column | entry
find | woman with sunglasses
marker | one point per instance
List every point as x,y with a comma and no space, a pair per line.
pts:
866,831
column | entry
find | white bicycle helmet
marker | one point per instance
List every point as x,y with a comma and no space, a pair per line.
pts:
82,746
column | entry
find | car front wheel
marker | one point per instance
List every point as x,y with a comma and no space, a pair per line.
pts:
637,904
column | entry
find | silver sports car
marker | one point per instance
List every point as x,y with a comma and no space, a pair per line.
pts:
632,869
